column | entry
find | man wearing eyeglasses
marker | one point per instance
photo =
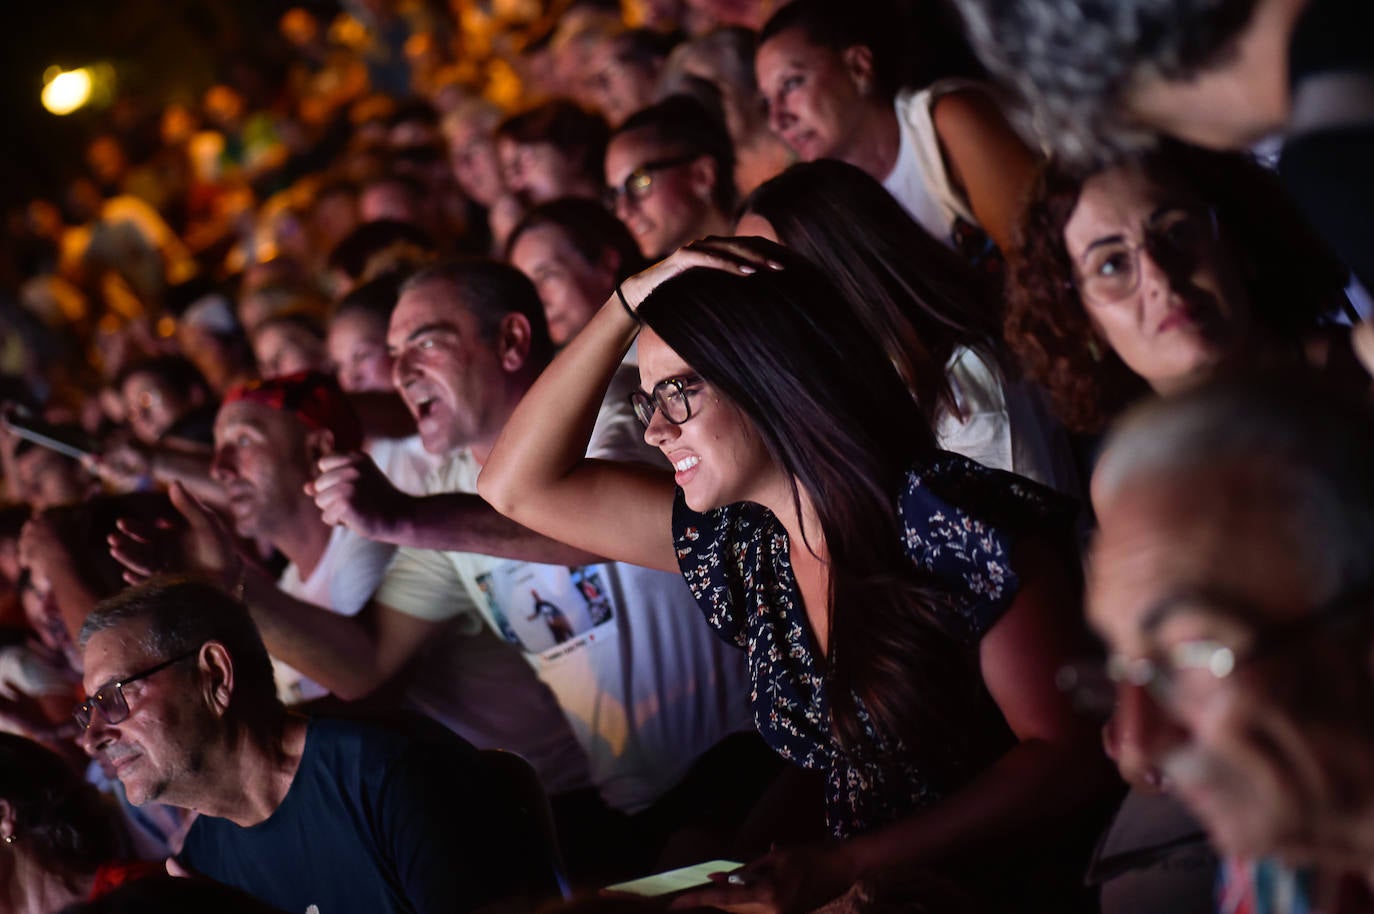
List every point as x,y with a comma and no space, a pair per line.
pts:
611,713
324,815
1231,579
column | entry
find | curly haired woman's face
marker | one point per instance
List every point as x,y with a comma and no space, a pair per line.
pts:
1155,281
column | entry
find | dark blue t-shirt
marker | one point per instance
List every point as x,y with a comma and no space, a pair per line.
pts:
375,821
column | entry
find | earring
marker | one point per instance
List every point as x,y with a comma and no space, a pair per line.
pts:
9,839
1094,351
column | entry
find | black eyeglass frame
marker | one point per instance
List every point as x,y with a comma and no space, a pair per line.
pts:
611,196
645,405
84,712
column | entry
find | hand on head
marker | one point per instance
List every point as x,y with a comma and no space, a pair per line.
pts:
733,255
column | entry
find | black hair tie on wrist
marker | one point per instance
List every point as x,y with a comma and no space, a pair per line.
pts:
626,305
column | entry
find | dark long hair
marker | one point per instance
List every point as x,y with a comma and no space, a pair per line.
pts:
837,418
59,817
916,296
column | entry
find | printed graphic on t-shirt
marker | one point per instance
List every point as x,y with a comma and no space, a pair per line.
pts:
547,609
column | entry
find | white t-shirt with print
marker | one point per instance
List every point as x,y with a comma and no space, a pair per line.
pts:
644,683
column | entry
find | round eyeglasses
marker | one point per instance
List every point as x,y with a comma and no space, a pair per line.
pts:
109,699
1109,270
671,396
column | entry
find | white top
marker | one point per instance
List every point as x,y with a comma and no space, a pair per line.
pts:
343,581
644,683
1003,425
919,180
403,461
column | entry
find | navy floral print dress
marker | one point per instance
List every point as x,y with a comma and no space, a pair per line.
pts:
736,561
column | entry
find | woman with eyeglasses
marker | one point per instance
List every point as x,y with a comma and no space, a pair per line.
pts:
1142,275
903,609
670,175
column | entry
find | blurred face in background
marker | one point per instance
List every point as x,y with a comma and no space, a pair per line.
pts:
570,288
538,172
618,86
282,349
662,196
815,97
152,406
262,461
47,479
332,218
1243,685
357,348
390,200
473,160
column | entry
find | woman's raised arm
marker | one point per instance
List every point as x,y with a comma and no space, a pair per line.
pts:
538,475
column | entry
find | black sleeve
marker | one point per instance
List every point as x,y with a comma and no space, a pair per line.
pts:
1328,174
440,831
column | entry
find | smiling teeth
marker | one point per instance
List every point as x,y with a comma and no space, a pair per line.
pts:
686,463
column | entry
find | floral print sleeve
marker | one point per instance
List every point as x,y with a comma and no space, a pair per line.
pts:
712,551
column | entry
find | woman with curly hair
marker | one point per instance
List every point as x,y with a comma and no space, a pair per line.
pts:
1145,274
59,840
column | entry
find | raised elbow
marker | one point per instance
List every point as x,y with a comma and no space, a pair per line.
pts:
497,492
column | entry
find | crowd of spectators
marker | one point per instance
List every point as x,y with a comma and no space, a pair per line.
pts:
896,457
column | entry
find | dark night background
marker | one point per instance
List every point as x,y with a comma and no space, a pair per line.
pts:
160,49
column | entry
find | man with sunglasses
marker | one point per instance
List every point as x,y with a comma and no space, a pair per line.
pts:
318,814
1232,579
670,175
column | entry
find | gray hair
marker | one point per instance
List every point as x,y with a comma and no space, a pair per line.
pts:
1313,444
179,615
1073,59
490,289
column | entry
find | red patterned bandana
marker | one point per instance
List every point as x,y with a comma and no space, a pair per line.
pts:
314,398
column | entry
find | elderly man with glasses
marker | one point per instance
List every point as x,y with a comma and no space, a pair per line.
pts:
322,815
1231,579
634,714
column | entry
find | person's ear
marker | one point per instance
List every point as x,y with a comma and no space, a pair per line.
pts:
6,822
703,176
513,340
858,63
217,676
